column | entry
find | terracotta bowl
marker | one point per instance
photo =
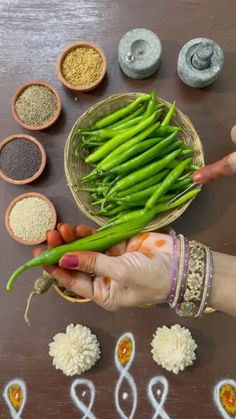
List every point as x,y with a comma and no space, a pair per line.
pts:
62,57
13,203
40,170
20,91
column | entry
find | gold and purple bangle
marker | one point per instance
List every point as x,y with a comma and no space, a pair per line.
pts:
194,288
174,268
185,273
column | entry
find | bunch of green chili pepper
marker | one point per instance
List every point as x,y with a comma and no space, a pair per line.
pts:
137,159
139,165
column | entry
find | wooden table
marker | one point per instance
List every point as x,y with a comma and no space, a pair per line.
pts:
32,33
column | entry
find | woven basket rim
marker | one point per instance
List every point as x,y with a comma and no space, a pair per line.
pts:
166,218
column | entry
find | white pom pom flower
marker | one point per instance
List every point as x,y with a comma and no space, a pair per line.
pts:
75,351
173,348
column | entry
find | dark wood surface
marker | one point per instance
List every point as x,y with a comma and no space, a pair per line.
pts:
32,33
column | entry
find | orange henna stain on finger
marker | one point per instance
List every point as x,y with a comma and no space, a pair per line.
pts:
140,239
106,281
67,232
118,249
160,242
145,250
84,231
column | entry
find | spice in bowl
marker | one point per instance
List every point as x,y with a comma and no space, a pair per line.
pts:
82,66
22,159
29,217
36,105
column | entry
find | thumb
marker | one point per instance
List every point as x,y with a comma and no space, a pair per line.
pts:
92,262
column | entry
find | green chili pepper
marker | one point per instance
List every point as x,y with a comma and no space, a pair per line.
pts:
166,121
115,116
188,151
162,131
90,144
167,183
128,118
144,158
119,139
143,173
153,180
175,163
137,149
151,104
162,207
117,125
186,175
174,146
140,196
109,132
118,209
127,124
142,202
127,145
181,184
97,242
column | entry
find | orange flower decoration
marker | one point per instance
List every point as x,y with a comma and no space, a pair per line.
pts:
15,394
228,398
125,350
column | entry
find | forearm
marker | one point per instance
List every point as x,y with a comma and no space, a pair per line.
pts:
223,292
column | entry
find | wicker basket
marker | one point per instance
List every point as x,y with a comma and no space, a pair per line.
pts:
69,295
75,167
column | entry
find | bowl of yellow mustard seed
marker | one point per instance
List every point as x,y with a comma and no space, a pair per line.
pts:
81,66
36,105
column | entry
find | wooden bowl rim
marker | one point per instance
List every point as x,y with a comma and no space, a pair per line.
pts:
13,203
39,171
18,93
72,46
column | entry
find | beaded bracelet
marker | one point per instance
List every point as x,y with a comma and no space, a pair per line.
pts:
185,273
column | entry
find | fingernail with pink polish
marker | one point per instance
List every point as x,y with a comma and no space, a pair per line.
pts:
69,262
197,177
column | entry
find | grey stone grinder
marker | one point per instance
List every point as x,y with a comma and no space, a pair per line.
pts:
139,53
200,62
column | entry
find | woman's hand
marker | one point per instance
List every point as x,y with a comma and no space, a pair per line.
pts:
132,273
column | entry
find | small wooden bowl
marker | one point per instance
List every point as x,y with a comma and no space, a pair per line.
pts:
62,57
40,170
73,298
13,203
20,91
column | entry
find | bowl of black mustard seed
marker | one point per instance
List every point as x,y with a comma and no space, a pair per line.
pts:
22,159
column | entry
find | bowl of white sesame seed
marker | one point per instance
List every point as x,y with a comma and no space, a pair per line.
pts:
28,218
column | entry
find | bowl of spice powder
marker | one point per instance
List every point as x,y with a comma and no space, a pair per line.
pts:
22,159
82,66
36,105
29,217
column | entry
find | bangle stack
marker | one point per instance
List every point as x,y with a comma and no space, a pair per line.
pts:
192,274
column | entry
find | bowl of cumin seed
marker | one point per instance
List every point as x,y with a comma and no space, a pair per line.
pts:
36,105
